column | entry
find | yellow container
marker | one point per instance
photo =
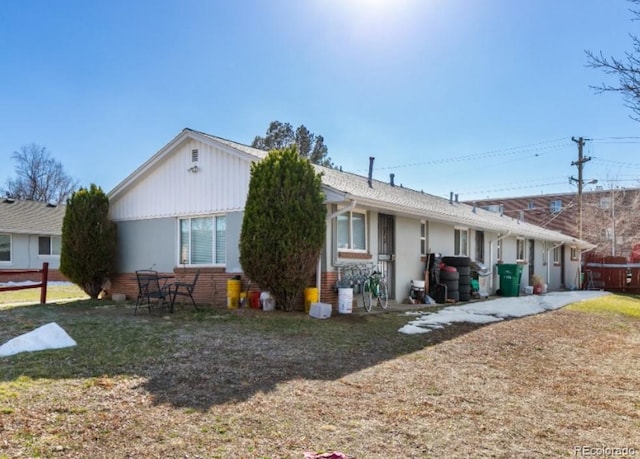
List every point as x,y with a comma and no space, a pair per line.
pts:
233,293
310,296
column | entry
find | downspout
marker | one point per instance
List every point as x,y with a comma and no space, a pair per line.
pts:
491,257
333,255
549,261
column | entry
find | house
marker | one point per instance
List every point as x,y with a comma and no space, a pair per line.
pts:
182,211
30,234
610,217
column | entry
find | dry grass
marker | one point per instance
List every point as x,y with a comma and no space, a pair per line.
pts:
274,385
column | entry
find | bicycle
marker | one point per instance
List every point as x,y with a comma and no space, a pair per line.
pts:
375,287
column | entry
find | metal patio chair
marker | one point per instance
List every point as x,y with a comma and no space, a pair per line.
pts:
184,289
149,288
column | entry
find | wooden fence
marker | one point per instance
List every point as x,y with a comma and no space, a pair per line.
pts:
42,285
613,274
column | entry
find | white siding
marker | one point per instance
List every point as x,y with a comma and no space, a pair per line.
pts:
170,189
409,265
441,238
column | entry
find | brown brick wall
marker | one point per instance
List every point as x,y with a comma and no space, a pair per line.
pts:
212,286
625,204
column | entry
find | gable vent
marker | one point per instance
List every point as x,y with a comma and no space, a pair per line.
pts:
194,156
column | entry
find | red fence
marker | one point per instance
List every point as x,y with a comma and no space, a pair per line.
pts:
42,285
613,274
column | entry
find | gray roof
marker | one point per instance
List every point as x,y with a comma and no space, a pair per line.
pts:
31,217
238,146
344,186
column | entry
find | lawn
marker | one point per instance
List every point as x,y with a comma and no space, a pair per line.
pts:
60,292
253,384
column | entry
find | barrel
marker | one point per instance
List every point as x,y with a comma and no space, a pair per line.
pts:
233,293
345,300
310,296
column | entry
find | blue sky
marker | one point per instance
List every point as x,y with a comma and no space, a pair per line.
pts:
476,97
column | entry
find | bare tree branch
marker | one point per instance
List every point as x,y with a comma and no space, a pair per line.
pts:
627,70
39,177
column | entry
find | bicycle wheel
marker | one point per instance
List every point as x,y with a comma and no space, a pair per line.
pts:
367,299
383,294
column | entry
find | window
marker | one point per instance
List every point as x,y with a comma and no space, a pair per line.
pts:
461,242
49,245
352,231
203,240
424,242
574,253
555,206
5,247
520,249
556,255
499,248
480,246
531,205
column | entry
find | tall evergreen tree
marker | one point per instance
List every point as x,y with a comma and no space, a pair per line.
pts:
88,240
284,225
309,145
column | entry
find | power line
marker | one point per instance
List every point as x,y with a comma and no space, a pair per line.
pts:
519,187
617,163
535,147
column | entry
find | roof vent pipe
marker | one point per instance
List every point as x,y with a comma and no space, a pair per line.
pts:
456,198
391,176
451,197
371,158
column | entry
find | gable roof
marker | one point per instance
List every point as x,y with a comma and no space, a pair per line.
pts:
233,148
31,217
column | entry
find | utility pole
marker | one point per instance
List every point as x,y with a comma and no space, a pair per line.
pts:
613,223
580,163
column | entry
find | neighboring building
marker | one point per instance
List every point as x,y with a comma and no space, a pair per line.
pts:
182,211
30,234
610,218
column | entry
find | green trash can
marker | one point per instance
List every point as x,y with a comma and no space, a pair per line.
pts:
510,276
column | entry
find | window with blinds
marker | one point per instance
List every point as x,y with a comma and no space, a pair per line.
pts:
5,247
423,237
520,252
352,231
49,245
461,241
203,240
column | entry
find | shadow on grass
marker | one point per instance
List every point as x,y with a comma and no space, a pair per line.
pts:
200,359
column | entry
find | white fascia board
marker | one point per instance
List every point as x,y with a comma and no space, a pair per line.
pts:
333,196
